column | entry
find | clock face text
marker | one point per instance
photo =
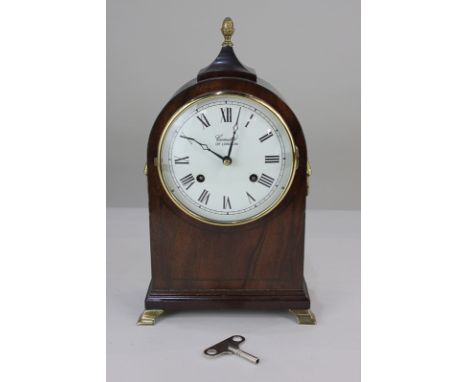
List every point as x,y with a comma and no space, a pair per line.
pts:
226,159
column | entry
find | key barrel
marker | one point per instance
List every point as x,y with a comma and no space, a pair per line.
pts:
244,354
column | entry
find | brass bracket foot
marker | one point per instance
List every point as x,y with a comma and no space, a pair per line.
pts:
304,316
148,317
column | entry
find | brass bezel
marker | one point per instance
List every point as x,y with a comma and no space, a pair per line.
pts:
295,158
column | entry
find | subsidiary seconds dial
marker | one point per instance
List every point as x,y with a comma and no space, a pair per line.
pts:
226,159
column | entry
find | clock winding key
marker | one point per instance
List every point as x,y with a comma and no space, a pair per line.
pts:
231,346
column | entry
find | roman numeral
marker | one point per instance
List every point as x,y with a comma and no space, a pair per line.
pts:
247,124
250,198
183,160
202,118
187,181
272,158
226,114
263,138
226,203
266,180
204,197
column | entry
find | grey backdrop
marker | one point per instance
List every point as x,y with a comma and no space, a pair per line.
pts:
308,50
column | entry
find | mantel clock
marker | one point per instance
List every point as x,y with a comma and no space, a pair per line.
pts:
227,183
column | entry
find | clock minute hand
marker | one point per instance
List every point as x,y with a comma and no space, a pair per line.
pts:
203,146
234,128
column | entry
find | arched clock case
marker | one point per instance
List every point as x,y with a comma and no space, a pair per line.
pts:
255,264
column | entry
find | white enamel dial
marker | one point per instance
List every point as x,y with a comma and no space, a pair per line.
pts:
226,159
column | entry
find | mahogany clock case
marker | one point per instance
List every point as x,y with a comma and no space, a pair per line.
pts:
196,265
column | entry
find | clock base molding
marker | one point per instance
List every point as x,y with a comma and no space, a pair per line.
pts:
268,299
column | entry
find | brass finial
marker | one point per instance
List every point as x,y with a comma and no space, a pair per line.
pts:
227,29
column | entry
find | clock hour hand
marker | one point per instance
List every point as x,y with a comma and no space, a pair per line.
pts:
234,128
203,146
